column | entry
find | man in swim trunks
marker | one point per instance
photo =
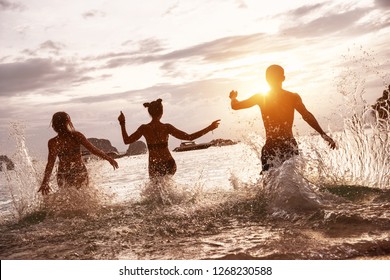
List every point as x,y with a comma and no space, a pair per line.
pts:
277,110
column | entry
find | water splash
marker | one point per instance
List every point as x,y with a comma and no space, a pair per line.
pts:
71,202
362,157
23,181
22,185
165,191
363,145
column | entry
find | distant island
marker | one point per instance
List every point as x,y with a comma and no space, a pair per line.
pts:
136,148
102,144
222,142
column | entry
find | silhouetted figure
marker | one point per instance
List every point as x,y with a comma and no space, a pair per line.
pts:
382,106
156,134
277,109
72,171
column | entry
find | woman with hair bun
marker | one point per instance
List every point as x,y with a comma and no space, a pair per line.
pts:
72,171
156,133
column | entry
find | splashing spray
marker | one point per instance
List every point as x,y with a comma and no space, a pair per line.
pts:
23,181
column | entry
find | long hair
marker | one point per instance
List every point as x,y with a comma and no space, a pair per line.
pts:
61,123
155,108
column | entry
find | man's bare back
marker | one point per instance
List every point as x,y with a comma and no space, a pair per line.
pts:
277,109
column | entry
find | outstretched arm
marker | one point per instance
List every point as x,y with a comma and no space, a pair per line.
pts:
312,121
185,136
126,138
90,147
45,188
247,103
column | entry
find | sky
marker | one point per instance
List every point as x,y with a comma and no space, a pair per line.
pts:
94,58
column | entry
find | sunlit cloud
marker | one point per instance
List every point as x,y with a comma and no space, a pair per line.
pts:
305,10
94,59
328,24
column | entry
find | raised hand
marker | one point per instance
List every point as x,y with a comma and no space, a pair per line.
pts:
121,118
233,94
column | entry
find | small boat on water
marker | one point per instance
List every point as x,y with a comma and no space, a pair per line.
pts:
190,146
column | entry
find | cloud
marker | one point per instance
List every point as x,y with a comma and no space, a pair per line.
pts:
175,63
328,24
37,73
150,45
222,49
53,47
22,29
355,22
182,93
7,5
304,10
382,3
137,50
40,72
171,9
93,14
47,46
241,4
368,27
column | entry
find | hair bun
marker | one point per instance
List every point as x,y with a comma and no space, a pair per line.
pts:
159,100
146,105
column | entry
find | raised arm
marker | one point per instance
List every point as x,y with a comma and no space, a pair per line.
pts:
185,136
126,138
244,104
312,121
51,159
90,147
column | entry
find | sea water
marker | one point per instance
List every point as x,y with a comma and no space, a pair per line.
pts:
322,204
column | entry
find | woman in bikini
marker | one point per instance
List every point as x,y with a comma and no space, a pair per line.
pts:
156,134
72,171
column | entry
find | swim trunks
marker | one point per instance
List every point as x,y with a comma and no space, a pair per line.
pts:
275,152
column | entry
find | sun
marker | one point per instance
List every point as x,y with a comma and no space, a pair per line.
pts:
261,88
251,84
264,89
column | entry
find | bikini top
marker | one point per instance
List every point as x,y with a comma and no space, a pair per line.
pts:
162,145
69,152
67,148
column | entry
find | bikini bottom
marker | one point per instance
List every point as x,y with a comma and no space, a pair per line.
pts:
75,177
162,168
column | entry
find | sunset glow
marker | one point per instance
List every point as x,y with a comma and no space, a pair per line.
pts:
125,53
